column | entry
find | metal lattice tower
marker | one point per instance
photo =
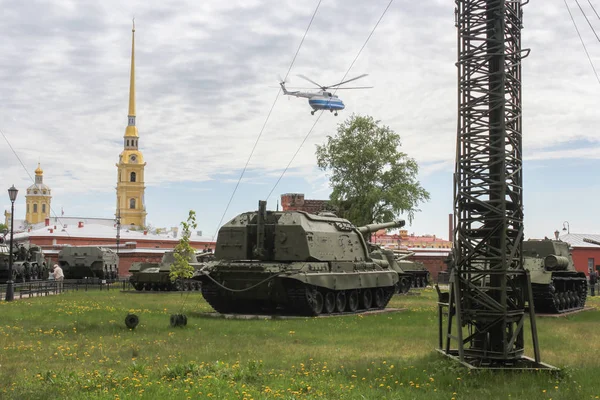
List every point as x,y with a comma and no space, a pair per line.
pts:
489,287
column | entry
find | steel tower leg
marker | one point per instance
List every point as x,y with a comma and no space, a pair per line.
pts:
490,290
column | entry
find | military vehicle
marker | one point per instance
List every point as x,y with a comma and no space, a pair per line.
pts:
420,276
29,263
405,280
557,286
155,276
293,262
79,262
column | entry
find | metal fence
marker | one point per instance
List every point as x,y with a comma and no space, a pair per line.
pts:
44,288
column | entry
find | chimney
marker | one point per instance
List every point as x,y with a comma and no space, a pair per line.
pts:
28,229
47,222
145,232
79,225
450,227
54,226
51,230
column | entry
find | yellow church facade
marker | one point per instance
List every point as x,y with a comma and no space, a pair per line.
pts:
131,208
37,199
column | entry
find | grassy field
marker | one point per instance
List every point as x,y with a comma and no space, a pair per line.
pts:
76,346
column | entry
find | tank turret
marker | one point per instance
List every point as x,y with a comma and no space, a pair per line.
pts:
156,276
295,262
557,286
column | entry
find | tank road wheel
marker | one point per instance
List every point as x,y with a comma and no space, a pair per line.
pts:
178,284
329,305
405,285
138,286
366,300
340,301
353,301
315,301
379,298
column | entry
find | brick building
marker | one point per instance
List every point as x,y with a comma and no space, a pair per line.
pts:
134,246
297,202
585,255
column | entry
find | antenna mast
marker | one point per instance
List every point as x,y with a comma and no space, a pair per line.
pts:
489,288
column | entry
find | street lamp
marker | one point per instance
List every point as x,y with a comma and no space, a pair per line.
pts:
567,228
10,294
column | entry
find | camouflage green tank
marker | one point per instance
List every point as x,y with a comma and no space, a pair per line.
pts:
405,279
298,263
557,286
78,262
419,274
155,276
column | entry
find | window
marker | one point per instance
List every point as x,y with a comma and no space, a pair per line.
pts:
132,177
590,264
131,203
44,208
127,142
34,207
27,207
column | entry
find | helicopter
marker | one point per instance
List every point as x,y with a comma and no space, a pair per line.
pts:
323,99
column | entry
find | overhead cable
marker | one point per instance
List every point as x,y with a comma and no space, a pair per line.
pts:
335,90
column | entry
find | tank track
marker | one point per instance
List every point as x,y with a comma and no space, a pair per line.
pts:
564,294
186,285
301,300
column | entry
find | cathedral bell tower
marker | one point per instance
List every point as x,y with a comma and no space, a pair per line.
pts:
38,199
130,169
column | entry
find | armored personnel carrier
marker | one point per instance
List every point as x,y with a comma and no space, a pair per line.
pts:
557,286
29,263
293,262
155,276
78,262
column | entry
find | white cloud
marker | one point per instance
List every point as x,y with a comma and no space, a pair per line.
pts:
203,76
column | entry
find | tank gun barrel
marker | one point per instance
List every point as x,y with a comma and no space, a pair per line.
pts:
592,241
384,225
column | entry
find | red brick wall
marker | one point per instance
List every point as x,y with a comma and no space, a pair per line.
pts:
296,202
434,264
581,255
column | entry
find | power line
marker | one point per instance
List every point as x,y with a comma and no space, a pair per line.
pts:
591,5
588,21
582,43
265,123
335,90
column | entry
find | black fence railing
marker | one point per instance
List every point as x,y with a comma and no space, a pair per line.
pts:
45,288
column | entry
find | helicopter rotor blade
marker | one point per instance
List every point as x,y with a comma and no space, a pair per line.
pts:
349,80
356,87
311,81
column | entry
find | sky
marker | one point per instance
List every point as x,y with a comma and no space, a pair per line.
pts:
206,78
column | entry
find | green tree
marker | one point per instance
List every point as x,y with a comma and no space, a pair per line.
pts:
372,180
3,227
183,252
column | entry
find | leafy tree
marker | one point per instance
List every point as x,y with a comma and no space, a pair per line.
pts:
372,180
3,227
183,252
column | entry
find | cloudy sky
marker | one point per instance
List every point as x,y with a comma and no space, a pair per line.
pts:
206,78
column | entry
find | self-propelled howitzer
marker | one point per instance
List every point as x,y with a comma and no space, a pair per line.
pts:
294,262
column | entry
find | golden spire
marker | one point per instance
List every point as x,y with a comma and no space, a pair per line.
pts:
131,130
132,81
39,170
